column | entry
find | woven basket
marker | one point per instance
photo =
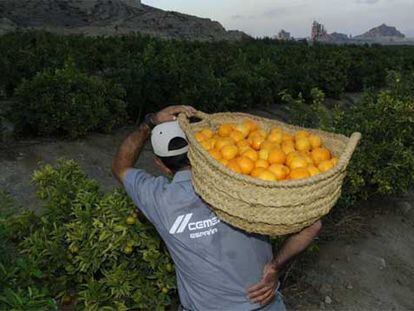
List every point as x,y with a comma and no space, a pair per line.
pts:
265,207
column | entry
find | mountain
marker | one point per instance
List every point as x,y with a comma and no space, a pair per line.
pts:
108,17
380,32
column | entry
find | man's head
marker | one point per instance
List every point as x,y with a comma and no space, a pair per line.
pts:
170,146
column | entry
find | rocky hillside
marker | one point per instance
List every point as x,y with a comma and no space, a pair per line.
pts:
108,17
381,31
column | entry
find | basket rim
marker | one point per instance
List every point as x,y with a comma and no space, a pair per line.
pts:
341,166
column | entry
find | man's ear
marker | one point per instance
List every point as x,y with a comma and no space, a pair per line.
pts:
165,170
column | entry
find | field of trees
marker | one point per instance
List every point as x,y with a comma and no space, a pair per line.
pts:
89,246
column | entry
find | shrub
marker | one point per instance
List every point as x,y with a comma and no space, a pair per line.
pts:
383,163
67,102
89,247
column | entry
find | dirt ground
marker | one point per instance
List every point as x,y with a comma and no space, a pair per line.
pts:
366,257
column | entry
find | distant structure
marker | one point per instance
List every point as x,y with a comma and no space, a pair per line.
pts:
283,35
318,31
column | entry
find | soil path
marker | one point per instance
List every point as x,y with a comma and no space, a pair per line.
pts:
372,271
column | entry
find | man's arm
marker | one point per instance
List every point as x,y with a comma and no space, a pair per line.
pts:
264,291
131,147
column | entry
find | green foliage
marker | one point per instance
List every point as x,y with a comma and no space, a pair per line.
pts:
154,73
383,163
83,244
67,102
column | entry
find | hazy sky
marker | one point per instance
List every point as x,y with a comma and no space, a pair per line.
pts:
266,18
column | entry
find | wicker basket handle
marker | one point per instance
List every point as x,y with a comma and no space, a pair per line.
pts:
185,122
350,147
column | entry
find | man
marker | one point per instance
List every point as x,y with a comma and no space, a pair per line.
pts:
218,266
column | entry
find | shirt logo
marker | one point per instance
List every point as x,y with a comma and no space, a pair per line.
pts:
180,223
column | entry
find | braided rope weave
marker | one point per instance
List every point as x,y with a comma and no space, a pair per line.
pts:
265,207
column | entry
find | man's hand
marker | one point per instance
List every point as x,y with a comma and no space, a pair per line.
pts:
170,113
264,291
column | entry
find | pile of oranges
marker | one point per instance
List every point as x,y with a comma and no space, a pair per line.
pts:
247,149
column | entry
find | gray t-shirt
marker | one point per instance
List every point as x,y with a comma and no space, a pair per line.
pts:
215,262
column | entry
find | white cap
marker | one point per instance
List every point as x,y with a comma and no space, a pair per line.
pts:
161,137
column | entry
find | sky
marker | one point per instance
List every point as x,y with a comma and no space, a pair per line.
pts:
261,18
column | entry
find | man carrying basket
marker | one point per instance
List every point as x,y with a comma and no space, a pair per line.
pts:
218,267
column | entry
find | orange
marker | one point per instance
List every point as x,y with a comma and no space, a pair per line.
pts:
298,162
264,154
291,156
243,128
251,154
275,137
315,141
221,142
246,164
207,132
276,156
234,166
206,144
286,137
252,125
301,134
325,165
258,132
236,135
299,173
313,170
215,153
276,130
257,142
280,171
261,163
267,175
228,152
268,145
320,154
199,136
288,147
257,171
225,129
334,161
223,161
302,144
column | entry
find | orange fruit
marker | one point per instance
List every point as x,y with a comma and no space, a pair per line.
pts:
225,129
325,165
286,137
298,162
243,128
302,144
268,145
261,163
291,156
250,124
313,170
301,134
251,154
258,132
264,154
257,142
206,144
223,161
229,152
246,164
276,130
275,137
299,173
280,171
236,135
223,141
257,171
320,154
207,132
215,153
288,147
276,156
199,136
315,141
334,161
267,175
234,166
